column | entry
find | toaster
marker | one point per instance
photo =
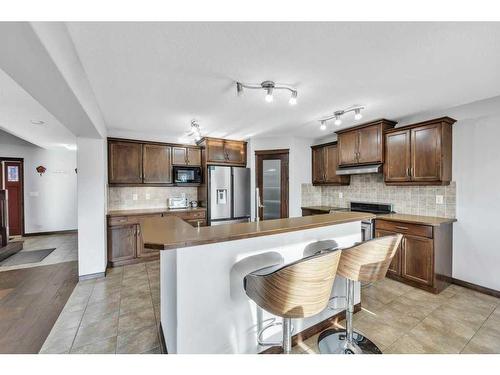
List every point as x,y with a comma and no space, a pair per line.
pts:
174,203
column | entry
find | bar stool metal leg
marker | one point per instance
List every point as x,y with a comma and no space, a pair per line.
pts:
337,341
287,335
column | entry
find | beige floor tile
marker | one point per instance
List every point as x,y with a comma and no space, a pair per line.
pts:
470,315
103,309
68,320
370,304
486,340
132,303
380,294
156,350
97,331
59,341
138,341
136,319
414,308
106,346
380,332
405,345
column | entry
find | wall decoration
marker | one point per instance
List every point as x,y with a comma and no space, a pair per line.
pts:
41,169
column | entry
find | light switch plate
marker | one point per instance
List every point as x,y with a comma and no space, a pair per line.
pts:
341,195
134,197
148,196
439,199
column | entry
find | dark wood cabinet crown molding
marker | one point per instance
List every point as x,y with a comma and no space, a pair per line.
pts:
382,121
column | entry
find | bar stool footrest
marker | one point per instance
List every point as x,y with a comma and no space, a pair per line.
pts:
333,341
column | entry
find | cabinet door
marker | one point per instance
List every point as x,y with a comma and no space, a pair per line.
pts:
331,162
143,252
348,148
426,153
157,164
370,145
215,151
397,156
395,266
193,156
235,152
125,162
122,242
417,259
179,156
318,165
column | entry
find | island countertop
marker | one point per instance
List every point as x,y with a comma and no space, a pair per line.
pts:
172,233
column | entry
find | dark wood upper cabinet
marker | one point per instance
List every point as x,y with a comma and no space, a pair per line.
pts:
363,144
419,154
124,162
186,156
397,156
224,152
325,160
157,164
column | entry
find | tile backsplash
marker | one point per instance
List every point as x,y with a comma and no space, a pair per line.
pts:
415,200
121,198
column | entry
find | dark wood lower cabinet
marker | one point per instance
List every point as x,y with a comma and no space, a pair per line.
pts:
424,258
125,242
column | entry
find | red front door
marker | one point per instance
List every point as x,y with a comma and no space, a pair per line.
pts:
13,177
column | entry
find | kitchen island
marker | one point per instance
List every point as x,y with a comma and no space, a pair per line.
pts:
204,308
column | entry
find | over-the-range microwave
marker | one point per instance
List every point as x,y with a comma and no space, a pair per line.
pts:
187,175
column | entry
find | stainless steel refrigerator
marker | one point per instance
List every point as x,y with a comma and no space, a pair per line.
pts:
228,195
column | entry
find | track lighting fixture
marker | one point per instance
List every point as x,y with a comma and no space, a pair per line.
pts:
195,131
269,86
338,114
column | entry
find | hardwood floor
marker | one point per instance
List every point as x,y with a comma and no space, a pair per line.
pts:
31,300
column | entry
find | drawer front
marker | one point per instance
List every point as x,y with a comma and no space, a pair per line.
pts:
118,220
186,215
404,228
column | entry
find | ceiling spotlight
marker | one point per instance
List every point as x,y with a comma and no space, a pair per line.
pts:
337,121
323,125
269,86
37,122
357,114
269,95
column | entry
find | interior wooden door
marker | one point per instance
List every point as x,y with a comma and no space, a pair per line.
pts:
370,145
417,259
318,165
348,148
13,183
157,164
395,266
397,156
272,181
426,153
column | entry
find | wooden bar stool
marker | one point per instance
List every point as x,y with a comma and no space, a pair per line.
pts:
365,262
297,290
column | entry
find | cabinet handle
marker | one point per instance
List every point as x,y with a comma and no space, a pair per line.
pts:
402,228
411,171
408,172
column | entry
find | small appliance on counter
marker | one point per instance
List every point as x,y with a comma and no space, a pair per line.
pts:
177,203
193,204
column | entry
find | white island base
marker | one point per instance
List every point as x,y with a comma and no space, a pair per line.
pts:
204,308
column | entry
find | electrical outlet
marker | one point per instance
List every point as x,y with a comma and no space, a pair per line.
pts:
341,195
148,196
439,199
134,197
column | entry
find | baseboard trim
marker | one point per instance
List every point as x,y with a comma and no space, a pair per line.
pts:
32,234
311,331
163,344
477,288
91,276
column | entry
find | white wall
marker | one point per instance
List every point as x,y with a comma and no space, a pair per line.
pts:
299,166
92,180
476,166
49,200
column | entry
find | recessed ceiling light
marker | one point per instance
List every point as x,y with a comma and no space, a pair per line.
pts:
37,122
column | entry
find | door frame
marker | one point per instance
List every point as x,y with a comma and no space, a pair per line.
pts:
21,174
284,156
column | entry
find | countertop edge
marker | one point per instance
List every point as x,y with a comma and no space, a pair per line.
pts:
151,211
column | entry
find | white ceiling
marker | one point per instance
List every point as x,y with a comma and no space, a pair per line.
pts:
18,109
153,78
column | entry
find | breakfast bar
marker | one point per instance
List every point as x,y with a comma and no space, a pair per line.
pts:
204,308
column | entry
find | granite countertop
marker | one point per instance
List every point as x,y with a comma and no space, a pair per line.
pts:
172,233
152,211
404,218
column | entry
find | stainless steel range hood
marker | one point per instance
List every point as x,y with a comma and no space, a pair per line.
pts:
362,169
